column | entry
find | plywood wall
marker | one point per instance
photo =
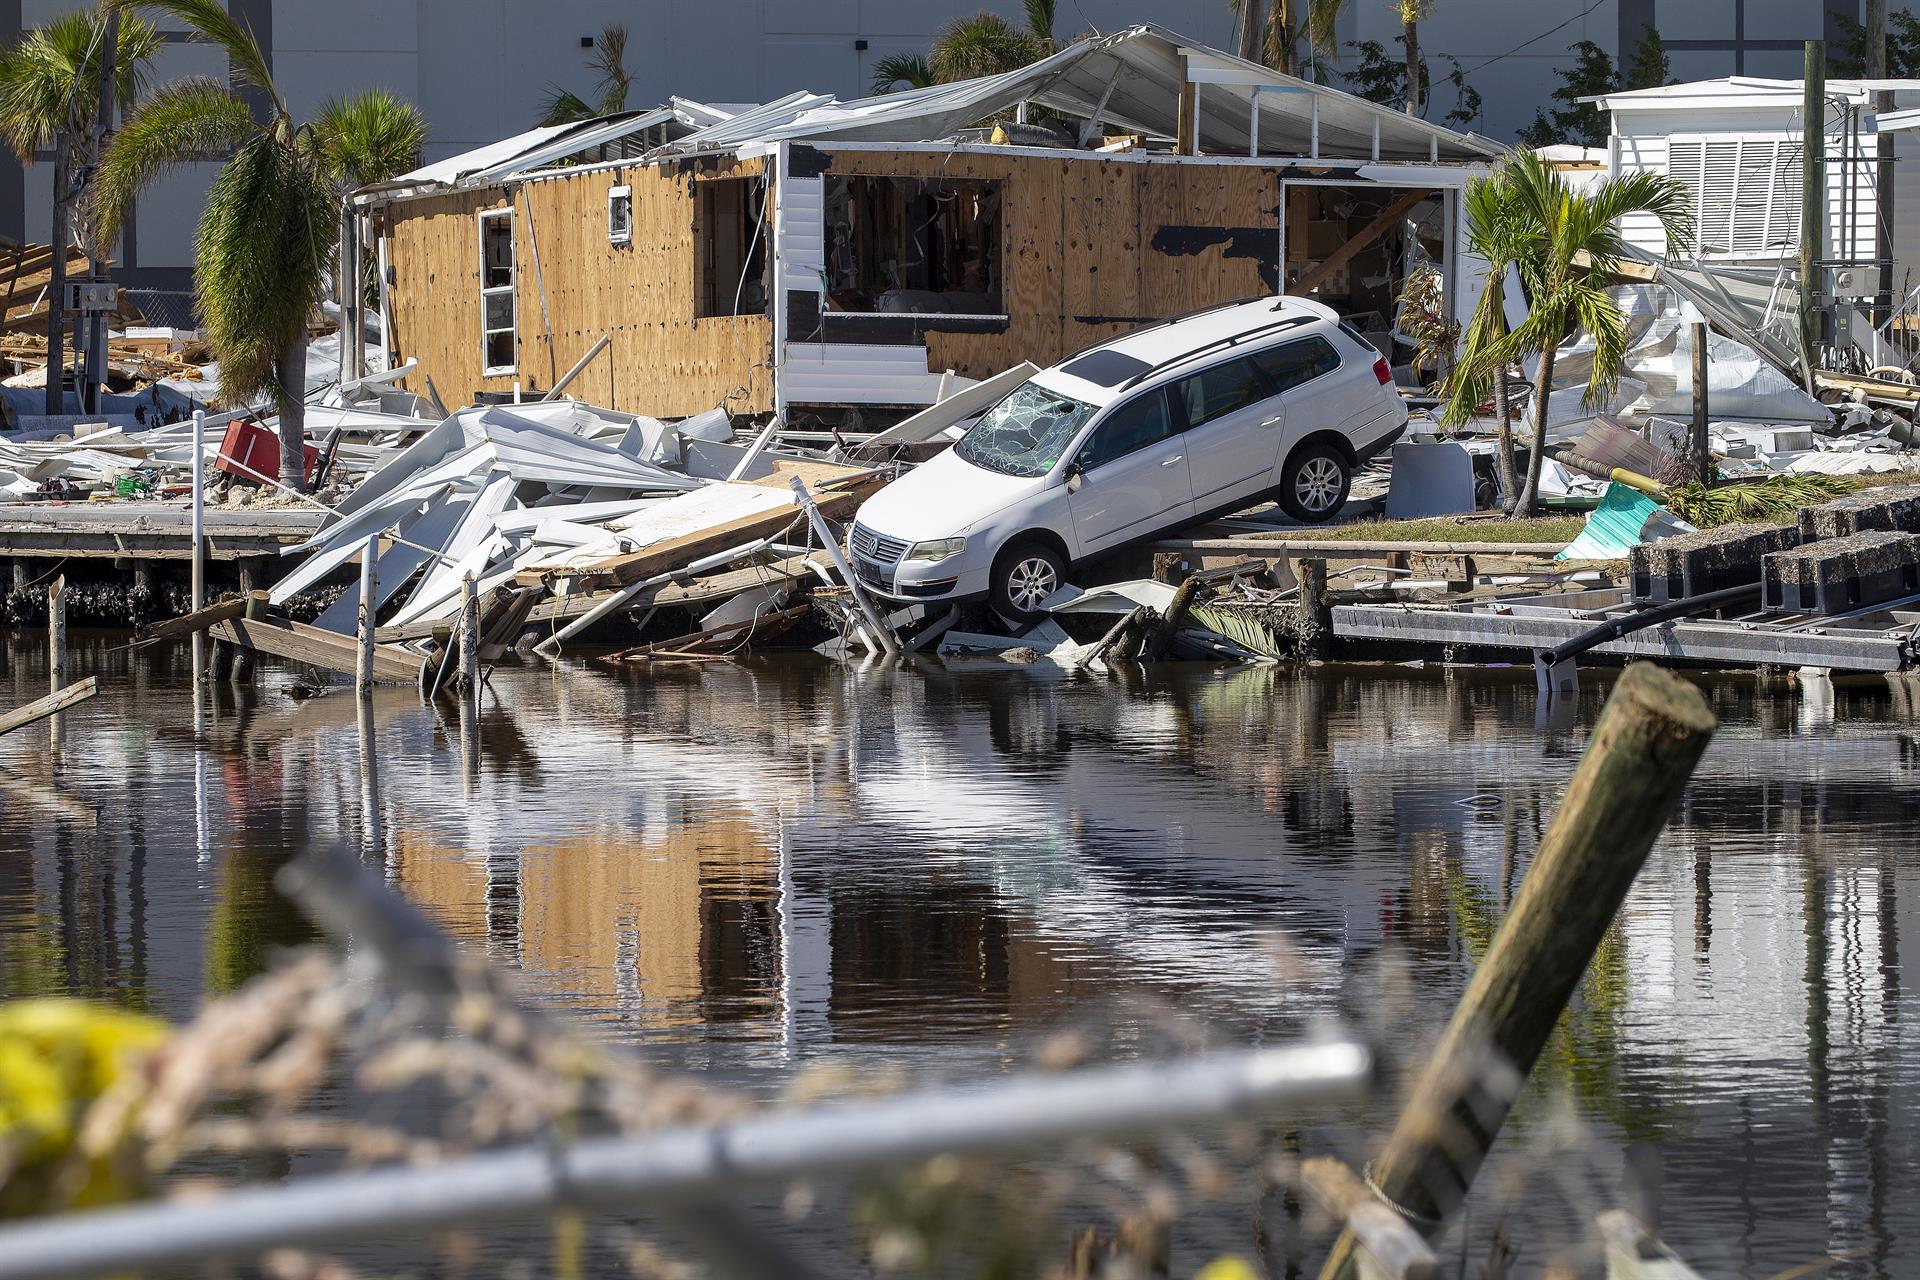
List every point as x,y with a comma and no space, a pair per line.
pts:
663,360
1094,247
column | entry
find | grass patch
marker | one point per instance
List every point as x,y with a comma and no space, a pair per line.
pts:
1561,528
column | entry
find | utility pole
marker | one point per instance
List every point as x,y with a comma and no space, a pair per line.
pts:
1883,172
1813,145
57,281
96,321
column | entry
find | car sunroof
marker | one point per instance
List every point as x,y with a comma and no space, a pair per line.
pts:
1106,368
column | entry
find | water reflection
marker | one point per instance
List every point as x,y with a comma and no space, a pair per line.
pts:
747,866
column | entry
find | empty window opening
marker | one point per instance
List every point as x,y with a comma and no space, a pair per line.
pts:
921,246
496,292
1339,248
620,215
730,244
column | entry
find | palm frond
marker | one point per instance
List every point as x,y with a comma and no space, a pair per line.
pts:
235,38
564,106
896,69
1322,18
192,119
50,76
265,238
1040,20
610,60
369,137
985,44
1775,497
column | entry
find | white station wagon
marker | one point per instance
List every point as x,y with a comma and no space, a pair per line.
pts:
1170,424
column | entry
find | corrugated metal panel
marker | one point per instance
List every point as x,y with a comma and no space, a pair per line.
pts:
803,254
841,373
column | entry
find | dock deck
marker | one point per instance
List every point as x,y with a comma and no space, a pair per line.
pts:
149,530
1875,640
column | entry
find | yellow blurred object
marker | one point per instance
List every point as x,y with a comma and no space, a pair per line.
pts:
1227,1269
999,136
56,1058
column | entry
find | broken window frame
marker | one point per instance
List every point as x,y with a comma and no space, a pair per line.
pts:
710,300
856,239
620,215
488,332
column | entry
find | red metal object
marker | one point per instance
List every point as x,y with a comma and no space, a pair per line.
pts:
252,452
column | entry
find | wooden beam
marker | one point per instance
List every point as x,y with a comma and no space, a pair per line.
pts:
327,650
665,557
1317,276
55,702
188,623
752,626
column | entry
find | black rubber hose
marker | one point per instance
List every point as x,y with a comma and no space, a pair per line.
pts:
1614,628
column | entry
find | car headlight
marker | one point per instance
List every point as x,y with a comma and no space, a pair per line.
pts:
937,550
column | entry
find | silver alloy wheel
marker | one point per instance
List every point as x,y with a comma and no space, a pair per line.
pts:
1031,581
1318,484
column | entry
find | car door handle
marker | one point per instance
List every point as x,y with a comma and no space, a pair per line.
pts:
1274,421
1175,458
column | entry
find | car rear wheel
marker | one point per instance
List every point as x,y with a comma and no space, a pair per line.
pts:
1025,574
1314,486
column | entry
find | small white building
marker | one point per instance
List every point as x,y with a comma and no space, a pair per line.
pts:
1737,144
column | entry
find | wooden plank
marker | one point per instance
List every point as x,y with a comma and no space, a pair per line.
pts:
1383,223
55,702
188,623
763,622
785,572
298,642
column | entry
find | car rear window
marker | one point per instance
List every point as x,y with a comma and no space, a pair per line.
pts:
1296,362
1106,368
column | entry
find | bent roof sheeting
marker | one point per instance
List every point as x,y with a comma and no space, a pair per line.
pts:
1144,67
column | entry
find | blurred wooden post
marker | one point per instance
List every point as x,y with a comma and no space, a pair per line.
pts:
1635,768
363,673
241,667
470,637
57,646
1316,615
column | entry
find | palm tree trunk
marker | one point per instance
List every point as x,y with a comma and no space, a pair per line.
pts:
1542,384
293,412
1503,437
1252,26
1416,85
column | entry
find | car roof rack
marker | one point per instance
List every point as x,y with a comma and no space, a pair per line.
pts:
1151,325
1232,340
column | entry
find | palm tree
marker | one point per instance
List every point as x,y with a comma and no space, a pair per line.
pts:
50,97
1566,244
986,44
909,69
1411,11
1293,19
1494,232
609,58
267,234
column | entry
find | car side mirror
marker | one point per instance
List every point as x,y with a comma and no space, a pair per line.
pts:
1075,478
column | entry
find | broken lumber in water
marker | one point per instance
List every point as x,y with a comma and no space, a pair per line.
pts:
1389,1247
665,557
54,703
771,622
327,650
199,620
787,571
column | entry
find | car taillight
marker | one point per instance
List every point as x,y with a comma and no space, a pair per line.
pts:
1382,372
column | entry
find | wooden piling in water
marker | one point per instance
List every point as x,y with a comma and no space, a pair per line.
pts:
363,673
1635,768
469,638
56,647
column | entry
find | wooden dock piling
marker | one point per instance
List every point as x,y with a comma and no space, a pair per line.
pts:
57,647
363,673
469,639
1629,781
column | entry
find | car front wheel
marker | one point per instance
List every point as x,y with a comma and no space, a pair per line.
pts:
1314,487
1025,574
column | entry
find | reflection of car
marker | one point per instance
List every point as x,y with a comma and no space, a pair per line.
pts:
1170,424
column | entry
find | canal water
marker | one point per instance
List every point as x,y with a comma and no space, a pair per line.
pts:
747,868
